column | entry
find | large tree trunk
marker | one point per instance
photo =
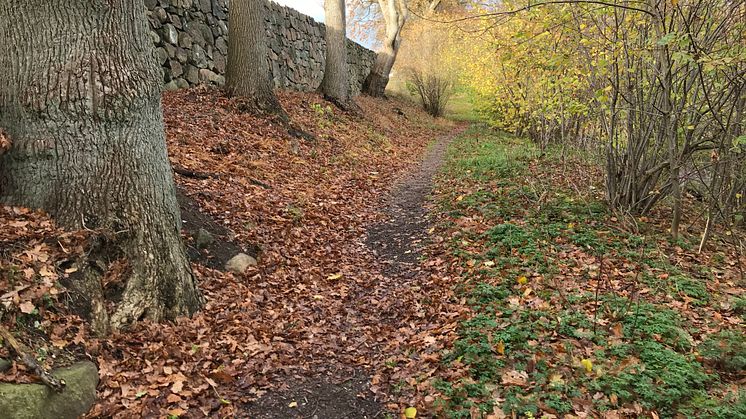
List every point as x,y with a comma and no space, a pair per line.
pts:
80,101
394,15
335,84
247,73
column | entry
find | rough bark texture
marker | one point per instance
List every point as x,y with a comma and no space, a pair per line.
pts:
247,74
394,15
80,100
335,85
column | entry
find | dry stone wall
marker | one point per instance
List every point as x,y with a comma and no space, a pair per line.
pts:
191,38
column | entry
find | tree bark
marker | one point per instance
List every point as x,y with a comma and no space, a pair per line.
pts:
394,15
247,72
81,103
335,84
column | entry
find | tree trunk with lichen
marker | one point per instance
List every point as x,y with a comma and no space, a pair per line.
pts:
80,101
247,72
335,85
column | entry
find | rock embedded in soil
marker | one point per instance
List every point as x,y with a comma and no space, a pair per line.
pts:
239,263
37,401
203,239
5,365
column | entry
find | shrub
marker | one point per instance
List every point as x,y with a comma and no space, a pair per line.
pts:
434,91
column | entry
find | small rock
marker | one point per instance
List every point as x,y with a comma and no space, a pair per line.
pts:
239,263
5,365
203,239
171,85
36,401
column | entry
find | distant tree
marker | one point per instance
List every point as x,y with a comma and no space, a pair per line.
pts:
247,73
335,84
81,103
394,14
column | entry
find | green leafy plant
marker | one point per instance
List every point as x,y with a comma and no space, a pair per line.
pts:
726,350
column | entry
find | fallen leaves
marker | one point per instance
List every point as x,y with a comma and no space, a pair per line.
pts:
517,378
550,282
316,302
587,364
27,307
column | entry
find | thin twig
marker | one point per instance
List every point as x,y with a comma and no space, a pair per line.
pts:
26,356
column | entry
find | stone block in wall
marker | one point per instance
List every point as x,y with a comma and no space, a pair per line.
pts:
171,50
171,85
222,45
185,40
176,69
160,14
220,62
175,20
182,55
201,33
198,56
192,75
155,38
210,77
161,55
169,34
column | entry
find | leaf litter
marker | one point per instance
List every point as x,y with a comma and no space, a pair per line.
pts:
295,317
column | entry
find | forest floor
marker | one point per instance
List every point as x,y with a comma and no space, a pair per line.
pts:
573,310
317,311
404,261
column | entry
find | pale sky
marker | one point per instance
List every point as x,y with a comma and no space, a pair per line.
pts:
313,8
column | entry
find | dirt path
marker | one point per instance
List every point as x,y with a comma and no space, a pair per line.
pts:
395,244
398,240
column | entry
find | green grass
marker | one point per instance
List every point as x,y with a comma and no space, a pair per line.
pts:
483,154
461,108
642,351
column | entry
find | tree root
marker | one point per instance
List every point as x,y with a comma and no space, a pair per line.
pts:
27,357
204,175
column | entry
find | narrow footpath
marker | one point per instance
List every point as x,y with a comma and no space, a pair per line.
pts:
378,308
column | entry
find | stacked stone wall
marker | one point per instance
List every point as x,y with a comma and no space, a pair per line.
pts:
191,38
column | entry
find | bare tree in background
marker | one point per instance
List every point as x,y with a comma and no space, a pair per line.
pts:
394,15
